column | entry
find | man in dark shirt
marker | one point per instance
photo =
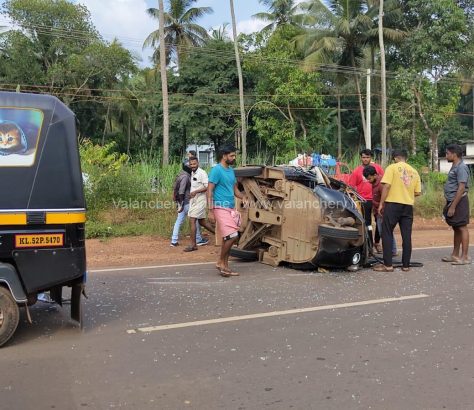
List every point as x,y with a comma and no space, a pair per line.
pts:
456,211
370,173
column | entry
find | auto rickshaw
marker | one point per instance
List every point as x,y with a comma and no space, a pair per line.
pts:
42,207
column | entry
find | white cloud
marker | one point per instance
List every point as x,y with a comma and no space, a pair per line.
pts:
125,20
250,26
128,21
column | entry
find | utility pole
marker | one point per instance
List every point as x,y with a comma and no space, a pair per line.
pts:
383,91
164,84
339,126
241,87
368,125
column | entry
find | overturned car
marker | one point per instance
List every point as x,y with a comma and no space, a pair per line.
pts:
302,218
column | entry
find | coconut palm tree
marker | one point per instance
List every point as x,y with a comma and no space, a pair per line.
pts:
241,86
181,30
280,13
220,33
339,31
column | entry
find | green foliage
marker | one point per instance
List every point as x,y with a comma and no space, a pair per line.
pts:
438,34
181,30
105,173
205,95
126,198
286,113
429,43
39,51
419,161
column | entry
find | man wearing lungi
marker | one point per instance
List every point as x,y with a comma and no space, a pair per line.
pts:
197,202
220,198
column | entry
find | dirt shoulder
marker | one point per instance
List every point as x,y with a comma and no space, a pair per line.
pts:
154,250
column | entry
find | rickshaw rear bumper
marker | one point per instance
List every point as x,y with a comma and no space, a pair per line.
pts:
43,269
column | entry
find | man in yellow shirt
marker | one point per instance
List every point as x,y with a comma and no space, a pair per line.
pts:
401,183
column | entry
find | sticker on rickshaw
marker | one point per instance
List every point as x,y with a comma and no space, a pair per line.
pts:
20,129
39,240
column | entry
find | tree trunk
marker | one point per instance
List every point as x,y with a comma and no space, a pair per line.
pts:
413,128
164,85
153,134
303,127
339,129
241,86
383,87
361,104
361,107
129,135
106,123
433,139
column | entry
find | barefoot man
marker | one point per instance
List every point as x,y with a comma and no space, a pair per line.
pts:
220,198
456,211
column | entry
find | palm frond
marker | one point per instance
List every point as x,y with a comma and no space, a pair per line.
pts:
343,27
152,40
264,16
196,13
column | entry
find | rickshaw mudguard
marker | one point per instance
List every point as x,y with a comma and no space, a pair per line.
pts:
9,276
77,290
76,306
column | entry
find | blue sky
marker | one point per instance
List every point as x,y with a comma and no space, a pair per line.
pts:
127,20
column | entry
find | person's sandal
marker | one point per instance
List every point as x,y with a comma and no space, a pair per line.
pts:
230,273
405,269
462,262
450,258
190,249
224,273
382,268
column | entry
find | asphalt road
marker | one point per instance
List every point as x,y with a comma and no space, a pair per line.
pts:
271,338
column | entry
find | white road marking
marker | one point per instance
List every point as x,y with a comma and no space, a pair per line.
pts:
186,283
432,247
275,313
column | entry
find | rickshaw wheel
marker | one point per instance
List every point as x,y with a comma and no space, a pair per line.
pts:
9,315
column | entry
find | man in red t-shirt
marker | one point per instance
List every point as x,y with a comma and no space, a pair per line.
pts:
364,187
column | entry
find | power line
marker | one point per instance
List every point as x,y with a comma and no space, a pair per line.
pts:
108,99
327,68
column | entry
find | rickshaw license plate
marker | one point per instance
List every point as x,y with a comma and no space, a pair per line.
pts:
39,240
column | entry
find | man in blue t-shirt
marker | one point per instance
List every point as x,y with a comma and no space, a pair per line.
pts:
456,211
220,198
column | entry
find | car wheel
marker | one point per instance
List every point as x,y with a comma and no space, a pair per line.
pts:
9,315
338,233
251,171
245,254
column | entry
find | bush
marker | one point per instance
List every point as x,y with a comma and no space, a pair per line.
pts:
125,198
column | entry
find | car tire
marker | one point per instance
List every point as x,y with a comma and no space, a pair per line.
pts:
328,231
245,254
250,171
9,315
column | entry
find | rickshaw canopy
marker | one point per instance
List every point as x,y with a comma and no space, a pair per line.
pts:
39,160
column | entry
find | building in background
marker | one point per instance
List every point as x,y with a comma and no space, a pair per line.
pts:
468,158
205,154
